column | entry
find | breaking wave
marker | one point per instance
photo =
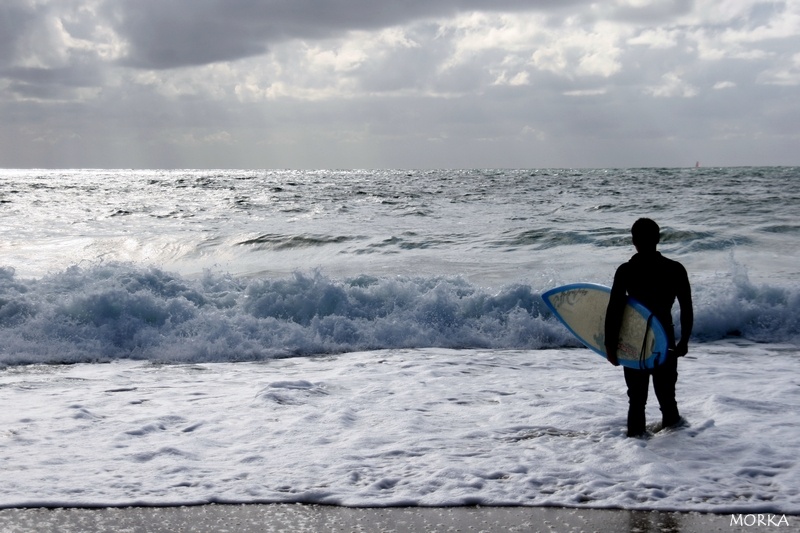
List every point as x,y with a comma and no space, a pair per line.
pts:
126,311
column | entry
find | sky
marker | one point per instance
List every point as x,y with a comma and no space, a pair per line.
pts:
398,83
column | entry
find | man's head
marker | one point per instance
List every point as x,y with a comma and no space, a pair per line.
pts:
646,234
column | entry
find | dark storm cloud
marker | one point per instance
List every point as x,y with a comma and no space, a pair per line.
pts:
51,83
169,34
83,72
15,19
34,61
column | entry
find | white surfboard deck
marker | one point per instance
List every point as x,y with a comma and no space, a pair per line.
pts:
581,307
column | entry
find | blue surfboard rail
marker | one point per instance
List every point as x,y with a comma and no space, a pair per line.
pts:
647,360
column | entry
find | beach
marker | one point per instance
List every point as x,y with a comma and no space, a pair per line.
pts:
300,518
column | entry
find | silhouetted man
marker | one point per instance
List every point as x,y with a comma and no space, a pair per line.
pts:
656,282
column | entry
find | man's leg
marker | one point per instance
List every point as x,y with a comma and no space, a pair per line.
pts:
664,379
638,382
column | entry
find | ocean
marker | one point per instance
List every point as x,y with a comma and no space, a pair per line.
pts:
377,338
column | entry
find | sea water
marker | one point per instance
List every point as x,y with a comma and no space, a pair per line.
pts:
378,338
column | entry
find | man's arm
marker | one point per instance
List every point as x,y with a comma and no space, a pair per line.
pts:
616,306
687,314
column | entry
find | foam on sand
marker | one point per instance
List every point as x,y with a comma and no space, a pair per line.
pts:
429,427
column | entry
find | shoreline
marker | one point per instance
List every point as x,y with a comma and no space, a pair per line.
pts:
298,517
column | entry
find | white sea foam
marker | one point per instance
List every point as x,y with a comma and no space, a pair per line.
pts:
403,427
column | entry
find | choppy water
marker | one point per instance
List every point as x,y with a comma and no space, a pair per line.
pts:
230,265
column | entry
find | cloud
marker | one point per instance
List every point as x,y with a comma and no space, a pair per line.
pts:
646,11
787,74
673,86
387,83
170,34
657,38
15,18
53,51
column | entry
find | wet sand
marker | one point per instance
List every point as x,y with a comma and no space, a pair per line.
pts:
319,518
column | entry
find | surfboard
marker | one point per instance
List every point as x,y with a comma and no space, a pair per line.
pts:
581,307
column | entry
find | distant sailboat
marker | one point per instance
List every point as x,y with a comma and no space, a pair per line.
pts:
697,165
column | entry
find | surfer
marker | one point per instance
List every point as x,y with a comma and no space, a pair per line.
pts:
656,282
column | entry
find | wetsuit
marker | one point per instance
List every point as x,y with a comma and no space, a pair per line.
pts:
656,282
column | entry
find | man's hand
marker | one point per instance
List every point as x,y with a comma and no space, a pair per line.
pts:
611,355
681,349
